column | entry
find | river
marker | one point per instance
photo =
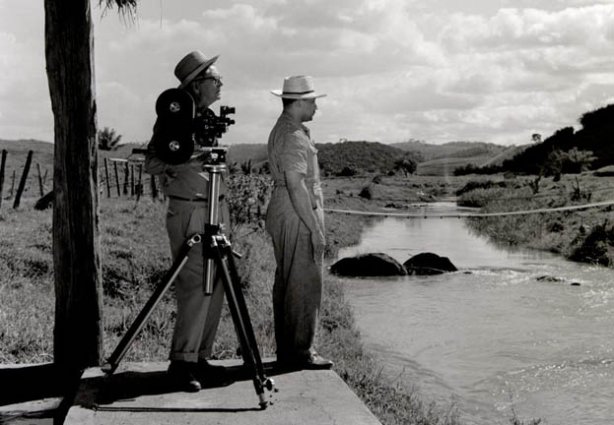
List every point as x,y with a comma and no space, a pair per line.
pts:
496,339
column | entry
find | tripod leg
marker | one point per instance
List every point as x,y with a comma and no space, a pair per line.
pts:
242,305
122,347
245,333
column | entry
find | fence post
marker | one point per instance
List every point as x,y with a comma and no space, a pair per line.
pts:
119,192
132,188
2,165
126,176
106,177
12,185
24,177
40,180
139,184
154,189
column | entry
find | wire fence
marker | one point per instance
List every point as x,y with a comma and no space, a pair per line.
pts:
471,214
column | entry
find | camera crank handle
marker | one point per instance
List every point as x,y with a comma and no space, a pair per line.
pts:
236,254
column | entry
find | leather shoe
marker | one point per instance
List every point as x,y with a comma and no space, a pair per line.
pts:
313,361
182,375
316,361
207,371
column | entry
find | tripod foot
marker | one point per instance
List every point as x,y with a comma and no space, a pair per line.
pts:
108,368
263,403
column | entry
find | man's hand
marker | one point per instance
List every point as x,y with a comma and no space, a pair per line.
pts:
318,241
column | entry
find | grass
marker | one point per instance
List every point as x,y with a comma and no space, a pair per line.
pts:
579,235
134,256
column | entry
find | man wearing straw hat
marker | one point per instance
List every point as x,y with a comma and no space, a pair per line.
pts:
186,187
295,221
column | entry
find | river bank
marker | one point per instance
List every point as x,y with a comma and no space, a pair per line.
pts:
580,235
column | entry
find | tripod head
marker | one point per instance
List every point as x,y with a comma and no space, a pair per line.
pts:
213,156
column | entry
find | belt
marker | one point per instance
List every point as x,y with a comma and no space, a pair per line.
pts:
180,198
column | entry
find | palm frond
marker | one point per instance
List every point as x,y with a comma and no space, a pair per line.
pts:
125,7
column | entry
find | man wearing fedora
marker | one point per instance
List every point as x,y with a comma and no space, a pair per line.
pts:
295,221
186,187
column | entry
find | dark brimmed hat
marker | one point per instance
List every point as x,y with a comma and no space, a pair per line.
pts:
297,87
191,65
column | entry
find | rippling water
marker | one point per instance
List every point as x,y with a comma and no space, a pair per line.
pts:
492,339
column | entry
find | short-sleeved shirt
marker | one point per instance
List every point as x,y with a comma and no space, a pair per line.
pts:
290,148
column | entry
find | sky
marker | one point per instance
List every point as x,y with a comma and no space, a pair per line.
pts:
393,70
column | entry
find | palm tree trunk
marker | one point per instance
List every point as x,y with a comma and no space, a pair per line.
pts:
69,51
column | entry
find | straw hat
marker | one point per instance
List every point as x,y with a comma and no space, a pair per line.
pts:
191,65
297,87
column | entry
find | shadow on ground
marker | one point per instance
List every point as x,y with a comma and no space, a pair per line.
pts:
28,383
31,384
101,392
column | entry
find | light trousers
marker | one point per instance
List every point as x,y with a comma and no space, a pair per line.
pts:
198,315
297,291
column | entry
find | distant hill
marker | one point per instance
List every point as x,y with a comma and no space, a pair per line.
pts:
243,152
507,154
443,159
446,166
427,151
361,156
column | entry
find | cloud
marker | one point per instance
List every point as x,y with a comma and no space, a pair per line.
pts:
393,69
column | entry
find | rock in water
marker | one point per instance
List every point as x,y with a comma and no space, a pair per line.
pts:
427,263
373,264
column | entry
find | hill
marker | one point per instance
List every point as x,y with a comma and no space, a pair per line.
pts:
507,154
563,145
447,165
243,152
360,157
427,151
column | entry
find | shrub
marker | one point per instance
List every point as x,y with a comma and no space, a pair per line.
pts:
347,172
366,192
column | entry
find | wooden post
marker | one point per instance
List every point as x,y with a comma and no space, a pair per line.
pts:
69,54
106,177
132,188
40,180
13,178
119,192
24,178
139,184
2,165
126,177
154,189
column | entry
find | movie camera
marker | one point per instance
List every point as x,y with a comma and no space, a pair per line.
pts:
180,130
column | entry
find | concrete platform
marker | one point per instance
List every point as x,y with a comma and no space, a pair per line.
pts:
140,393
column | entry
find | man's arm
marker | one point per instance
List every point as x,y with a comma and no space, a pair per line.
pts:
301,201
